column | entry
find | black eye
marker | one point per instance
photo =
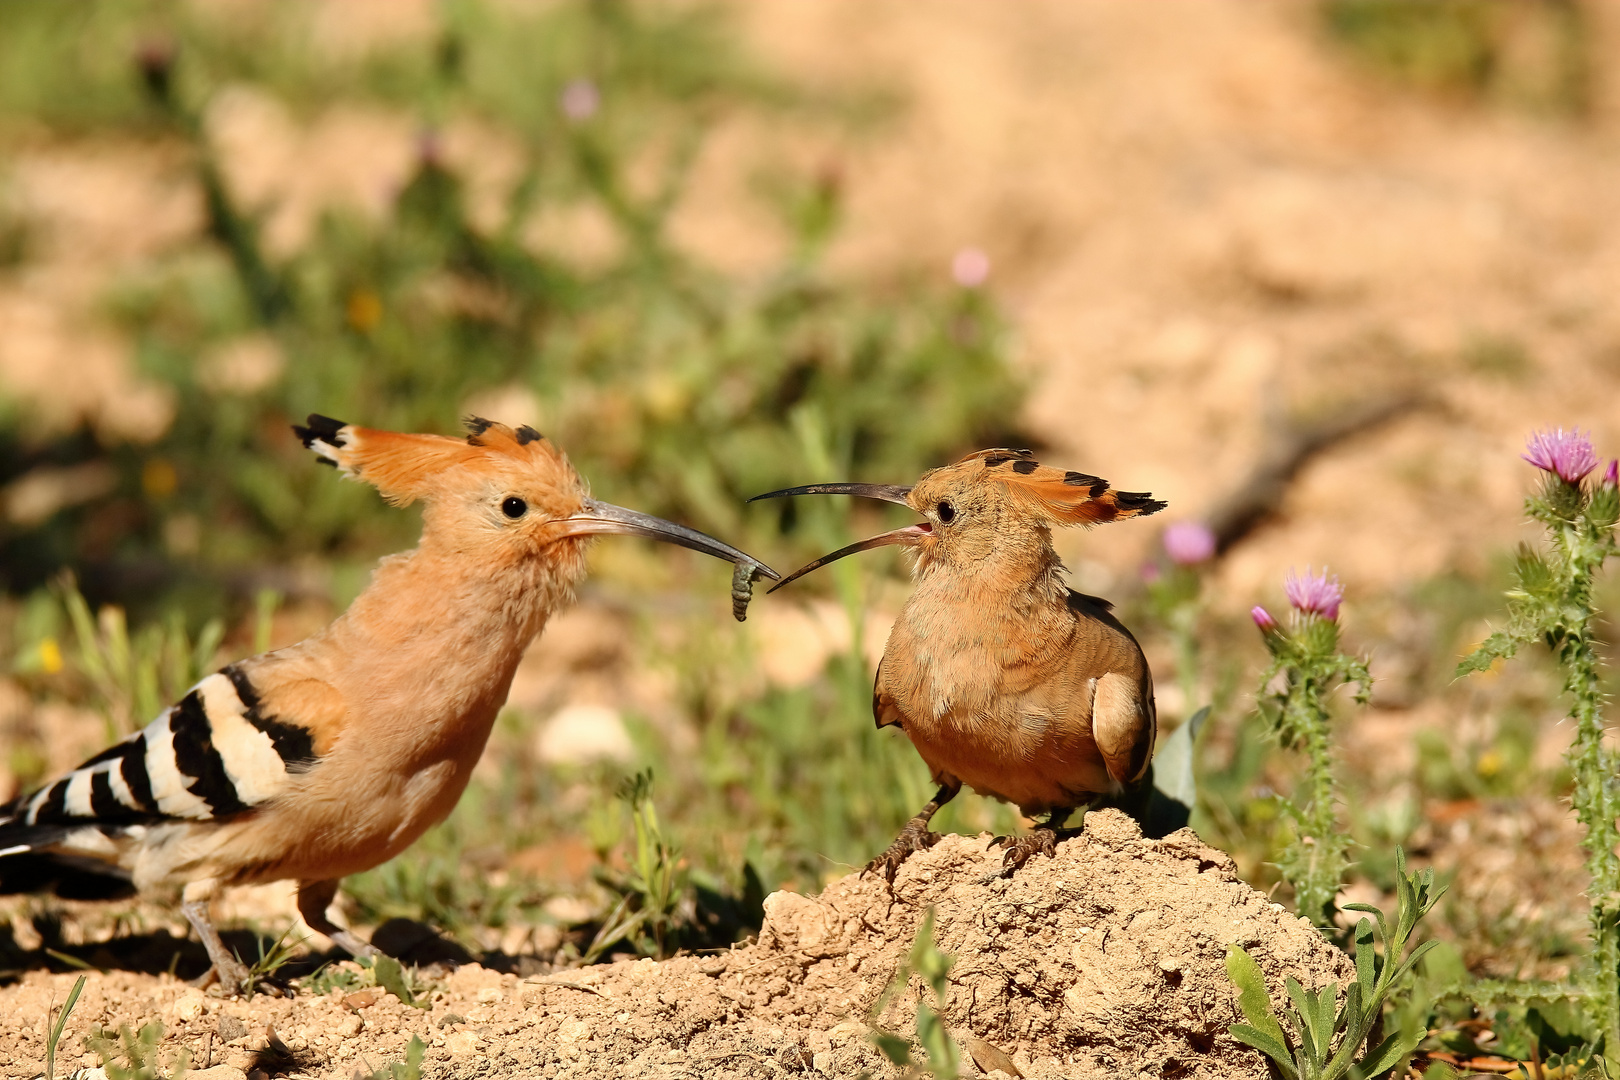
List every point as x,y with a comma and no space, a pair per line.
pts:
514,507
947,512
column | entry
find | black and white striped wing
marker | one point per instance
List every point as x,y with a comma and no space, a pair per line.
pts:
214,755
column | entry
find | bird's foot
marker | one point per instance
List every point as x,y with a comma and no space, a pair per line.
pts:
914,837
1041,840
231,974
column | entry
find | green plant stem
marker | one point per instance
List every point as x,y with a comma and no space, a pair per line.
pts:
1552,602
1323,863
1308,659
1595,804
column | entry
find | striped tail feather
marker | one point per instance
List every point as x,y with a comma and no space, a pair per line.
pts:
212,757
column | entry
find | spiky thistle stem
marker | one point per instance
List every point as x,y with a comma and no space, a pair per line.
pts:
1552,601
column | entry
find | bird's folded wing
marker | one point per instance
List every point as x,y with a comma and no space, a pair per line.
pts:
884,709
219,752
1123,723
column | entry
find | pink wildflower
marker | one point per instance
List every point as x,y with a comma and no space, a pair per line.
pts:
1611,476
970,268
1566,453
1314,594
580,100
1262,618
1189,543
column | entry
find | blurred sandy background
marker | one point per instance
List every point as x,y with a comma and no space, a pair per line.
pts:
1204,217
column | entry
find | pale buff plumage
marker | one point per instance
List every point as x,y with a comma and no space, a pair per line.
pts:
333,755
1002,677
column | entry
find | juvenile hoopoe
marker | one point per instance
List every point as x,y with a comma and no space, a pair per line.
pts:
1003,677
333,755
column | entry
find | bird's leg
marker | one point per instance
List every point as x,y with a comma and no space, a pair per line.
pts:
314,897
231,972
915,836
1043,838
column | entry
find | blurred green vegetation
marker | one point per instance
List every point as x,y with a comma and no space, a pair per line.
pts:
1532,55
675,387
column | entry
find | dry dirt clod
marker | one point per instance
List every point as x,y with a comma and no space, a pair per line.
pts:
1107,960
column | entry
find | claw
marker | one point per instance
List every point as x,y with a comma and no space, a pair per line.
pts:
1019,851
914,837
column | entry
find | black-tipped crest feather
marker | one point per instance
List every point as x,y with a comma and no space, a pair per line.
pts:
320,428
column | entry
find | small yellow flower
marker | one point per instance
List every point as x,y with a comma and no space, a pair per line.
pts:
159,479
50,656
1489,764
364,309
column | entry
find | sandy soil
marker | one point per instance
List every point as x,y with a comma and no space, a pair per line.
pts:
1106,961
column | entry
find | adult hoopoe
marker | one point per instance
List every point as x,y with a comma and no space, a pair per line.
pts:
333,755
1003,677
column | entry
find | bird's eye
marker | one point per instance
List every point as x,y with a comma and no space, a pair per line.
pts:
514,507
947,512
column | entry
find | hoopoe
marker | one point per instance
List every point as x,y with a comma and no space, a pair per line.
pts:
1003,677
333,755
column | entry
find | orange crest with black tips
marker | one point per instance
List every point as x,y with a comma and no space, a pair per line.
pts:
1064,497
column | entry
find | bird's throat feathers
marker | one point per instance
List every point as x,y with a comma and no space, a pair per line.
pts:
1002,557
427,594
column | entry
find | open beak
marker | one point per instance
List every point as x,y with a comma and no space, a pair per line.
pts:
600,519
909,536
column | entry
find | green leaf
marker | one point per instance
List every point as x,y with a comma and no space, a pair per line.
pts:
893,1047
1351,1012
1417,954
391,977
1499,646
1325,1003
411,1067
1376,913
1263,1042
1304,1022
1310,1032
1253,1000
1366,957
55,1036
1383,1057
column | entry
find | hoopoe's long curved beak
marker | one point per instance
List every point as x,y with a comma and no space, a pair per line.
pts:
600,519
894,493
909,536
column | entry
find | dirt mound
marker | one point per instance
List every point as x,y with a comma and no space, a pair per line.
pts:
1107,961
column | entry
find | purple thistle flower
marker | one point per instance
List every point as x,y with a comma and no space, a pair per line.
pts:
1262,618
1314,594
1565,453
1611,476
580,100
1189,543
